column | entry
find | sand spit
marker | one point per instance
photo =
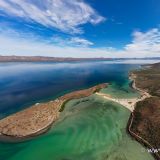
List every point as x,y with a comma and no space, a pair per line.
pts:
129,103
39,117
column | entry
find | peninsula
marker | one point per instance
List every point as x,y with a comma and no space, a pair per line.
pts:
39,117
144,123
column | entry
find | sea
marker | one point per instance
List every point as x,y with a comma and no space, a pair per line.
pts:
90,128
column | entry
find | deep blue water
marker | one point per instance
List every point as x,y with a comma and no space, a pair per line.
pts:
22,84
81,135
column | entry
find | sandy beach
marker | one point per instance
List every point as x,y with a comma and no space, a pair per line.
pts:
129,103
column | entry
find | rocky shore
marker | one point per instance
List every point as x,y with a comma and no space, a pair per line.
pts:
144,121
38,118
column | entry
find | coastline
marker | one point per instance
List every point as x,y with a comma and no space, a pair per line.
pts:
38,118
131,104
133,77
142,141
15,139
128,103
63,99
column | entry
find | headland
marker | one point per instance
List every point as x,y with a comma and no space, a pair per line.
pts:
38,118
144,122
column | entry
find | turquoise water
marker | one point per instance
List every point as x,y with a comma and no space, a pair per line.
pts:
121,91
89,129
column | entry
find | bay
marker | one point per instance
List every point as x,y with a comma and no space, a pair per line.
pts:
91,128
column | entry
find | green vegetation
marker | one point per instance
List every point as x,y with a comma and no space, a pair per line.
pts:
63,105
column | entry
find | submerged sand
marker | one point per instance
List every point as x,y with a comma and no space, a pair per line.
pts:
129,103
39,117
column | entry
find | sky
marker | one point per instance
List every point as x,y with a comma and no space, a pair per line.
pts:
80,28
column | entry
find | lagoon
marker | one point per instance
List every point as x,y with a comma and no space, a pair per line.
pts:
89,128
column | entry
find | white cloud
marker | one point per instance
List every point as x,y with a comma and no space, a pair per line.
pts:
56,40
12,46
80,42
73,41
144,44
65,15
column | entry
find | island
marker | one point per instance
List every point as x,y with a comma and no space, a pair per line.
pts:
40,117
144,123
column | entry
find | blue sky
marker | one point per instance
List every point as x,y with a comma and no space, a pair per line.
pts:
80,28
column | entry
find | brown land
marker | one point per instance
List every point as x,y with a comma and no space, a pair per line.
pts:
39,117
13,58
145,119
46,59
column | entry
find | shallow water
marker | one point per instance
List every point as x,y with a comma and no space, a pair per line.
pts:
121,91
89,129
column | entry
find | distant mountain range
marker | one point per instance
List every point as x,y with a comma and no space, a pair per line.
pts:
62,59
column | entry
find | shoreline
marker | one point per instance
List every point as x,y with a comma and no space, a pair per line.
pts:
64,99
128,103
142,141
139,139
13,139
38,118
133,77
131,106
